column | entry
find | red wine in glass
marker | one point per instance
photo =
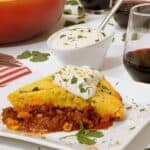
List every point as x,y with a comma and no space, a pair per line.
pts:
137,63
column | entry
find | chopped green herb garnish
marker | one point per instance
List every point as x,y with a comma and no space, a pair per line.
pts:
97,40
63,35
67,11
65,80
142,109
113,39
80,22
85,79
69,23
80,36
35,89
74,80
129,107
132,128
40,55
26,54
103,34
81,12
82,89
105,89
124,37
86,136
35,56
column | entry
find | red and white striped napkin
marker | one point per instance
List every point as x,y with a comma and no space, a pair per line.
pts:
8,74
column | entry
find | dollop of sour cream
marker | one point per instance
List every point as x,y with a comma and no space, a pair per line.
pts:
77,38
80,81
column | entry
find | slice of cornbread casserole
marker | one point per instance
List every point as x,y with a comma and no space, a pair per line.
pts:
60,101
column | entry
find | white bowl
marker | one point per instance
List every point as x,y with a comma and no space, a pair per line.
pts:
92,55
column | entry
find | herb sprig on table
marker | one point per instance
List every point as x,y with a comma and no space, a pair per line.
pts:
87,137
34,56
80,13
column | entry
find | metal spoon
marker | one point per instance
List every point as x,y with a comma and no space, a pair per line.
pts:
111,13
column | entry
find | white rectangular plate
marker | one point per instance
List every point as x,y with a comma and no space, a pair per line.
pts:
117,137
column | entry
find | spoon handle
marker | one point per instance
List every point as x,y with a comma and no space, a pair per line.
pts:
111,13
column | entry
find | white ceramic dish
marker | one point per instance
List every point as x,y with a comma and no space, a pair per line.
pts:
92,55
116,137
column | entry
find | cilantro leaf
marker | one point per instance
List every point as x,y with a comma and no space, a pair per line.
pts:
74,80
26,54
35,56
39,58
85,140
67,11
86,136
81,12
93,133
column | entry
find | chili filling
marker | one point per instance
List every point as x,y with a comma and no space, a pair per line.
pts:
48,118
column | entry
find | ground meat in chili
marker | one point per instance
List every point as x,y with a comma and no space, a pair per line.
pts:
48,118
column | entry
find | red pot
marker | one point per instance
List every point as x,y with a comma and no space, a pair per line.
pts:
23,19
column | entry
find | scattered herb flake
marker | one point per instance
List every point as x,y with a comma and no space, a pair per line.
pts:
65,80
132,128
124,37
80,36
82,89
97,40
103,34
105,89
74,80
63,35
35,89
69,23
142,109
85,79
81,12
129,107
67,11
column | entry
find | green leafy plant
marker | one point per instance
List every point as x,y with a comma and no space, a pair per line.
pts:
34,56
87,137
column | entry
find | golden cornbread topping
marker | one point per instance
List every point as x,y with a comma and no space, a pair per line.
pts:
80,81
77,38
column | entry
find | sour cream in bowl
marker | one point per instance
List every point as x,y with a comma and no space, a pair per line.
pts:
81,45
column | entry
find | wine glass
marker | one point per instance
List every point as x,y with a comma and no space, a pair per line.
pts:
137,47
